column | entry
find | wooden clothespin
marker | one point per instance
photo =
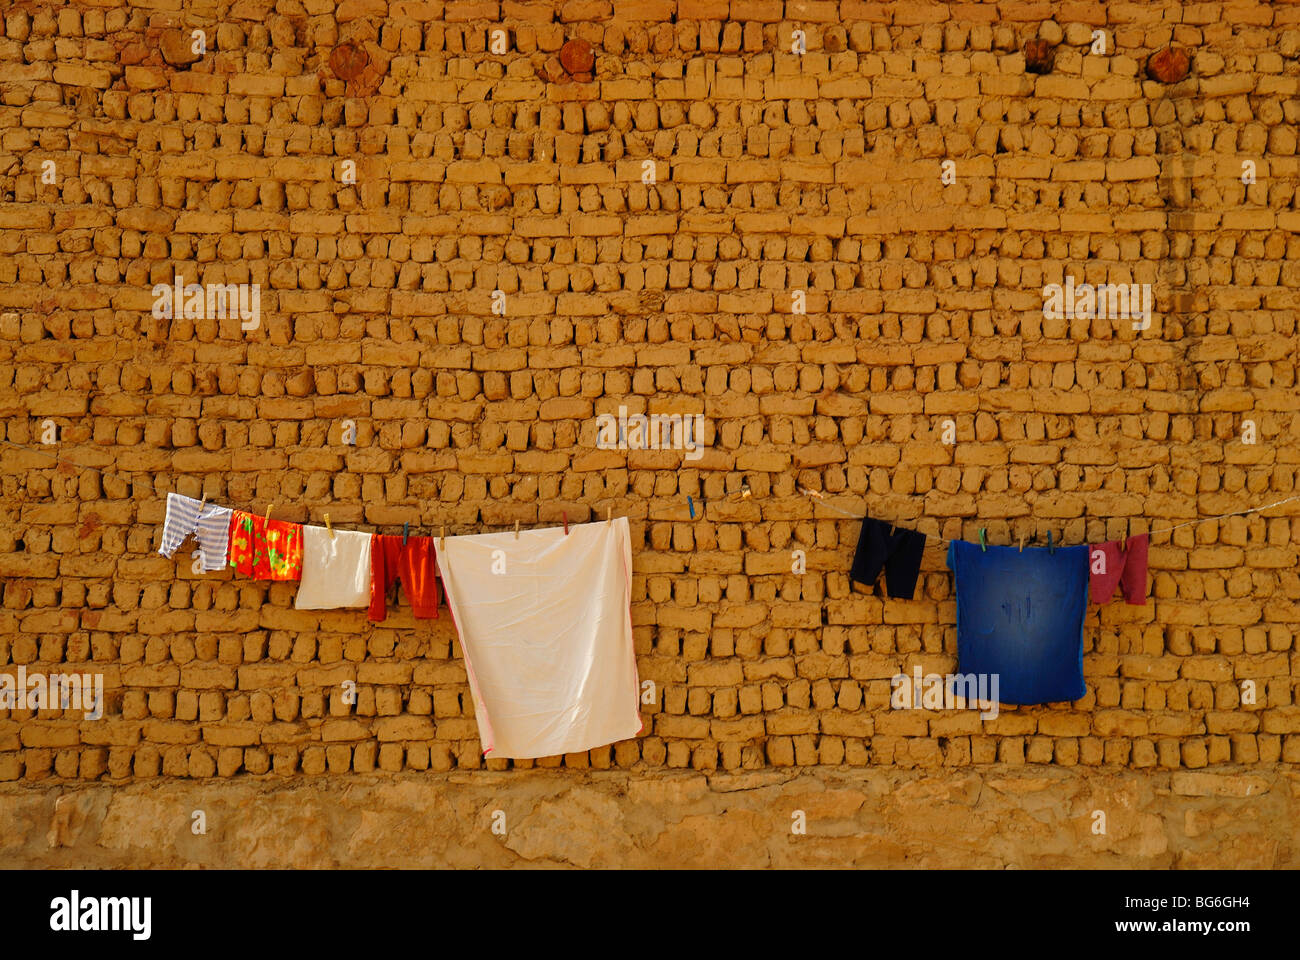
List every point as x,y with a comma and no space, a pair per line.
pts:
203,503
267,519
609,514
1022,543
1123,541
516,529
442,541
328,526
406,531
565,514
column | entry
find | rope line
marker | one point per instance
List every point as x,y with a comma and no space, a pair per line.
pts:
821,498
810,494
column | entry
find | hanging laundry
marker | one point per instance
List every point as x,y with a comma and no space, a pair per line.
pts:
210,526
1109,567
897,550
335,569
1020,617
265,549
545,623
415,564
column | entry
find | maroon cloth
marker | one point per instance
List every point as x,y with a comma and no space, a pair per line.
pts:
414,563
1111,567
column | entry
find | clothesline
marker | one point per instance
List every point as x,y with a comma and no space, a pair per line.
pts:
102,472
821,498
811,494
551,671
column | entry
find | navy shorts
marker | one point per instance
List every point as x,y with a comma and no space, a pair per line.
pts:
897,550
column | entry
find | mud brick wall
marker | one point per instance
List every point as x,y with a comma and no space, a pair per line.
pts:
774,172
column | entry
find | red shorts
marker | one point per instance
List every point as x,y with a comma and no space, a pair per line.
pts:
415,564
265,549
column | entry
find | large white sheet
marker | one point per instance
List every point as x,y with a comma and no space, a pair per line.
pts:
545,623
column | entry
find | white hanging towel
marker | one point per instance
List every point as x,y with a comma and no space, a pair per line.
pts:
545,621
335,570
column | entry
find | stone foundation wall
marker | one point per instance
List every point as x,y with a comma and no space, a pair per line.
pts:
994,817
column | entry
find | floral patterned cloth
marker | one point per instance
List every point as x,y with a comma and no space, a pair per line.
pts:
265,549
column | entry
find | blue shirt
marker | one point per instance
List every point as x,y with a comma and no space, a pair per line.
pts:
1020,616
